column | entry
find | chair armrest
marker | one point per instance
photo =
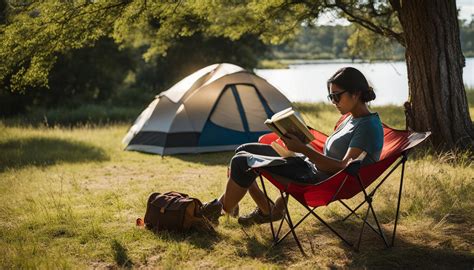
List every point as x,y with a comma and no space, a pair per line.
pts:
353,168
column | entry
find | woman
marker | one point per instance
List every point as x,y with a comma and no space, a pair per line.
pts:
361,132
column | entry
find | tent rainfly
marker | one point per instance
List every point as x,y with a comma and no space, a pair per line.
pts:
217,108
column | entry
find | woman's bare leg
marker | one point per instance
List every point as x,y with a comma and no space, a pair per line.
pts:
280,204
232,195
259,197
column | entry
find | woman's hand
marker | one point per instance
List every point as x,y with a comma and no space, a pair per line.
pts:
293,143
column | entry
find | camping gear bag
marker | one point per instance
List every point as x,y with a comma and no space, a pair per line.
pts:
174,211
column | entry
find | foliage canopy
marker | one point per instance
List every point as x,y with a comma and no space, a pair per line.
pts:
35,33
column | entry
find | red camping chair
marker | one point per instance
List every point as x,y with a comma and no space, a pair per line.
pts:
345,184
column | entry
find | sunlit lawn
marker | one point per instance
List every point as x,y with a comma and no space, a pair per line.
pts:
69,199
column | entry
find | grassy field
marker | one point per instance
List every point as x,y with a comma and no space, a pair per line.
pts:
70,197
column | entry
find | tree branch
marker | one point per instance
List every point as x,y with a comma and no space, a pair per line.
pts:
378,29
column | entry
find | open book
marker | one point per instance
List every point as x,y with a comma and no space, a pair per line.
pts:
287,121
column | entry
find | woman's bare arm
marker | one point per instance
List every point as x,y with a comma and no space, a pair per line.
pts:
322,162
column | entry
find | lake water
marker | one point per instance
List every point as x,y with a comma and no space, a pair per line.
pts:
307,81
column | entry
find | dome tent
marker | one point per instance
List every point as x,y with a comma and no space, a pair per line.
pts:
214,109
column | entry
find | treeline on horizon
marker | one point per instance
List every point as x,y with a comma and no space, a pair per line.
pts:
104,83
337,42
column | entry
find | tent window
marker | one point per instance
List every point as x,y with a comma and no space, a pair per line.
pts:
253,108
226,114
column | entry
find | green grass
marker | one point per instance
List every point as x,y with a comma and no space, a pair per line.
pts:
70,197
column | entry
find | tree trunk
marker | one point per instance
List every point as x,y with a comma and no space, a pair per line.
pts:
437,99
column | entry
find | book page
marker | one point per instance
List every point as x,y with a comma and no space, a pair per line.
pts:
292,125
287,121
302,127
282,151
274,128
281,114
281,126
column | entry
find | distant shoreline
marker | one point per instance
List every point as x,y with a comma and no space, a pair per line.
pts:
285,63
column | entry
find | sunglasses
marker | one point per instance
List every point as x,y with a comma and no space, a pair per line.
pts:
335,97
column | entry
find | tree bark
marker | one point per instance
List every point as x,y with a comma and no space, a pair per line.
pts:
437,99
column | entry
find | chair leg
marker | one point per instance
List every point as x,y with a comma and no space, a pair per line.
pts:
328,226
287,217
399,199
357,216
280,226
402,161
352,211
294,227
290,224
362,229
378,225
379,230
370,208
275,236
368,199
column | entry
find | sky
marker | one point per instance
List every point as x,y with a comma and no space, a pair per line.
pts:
466,8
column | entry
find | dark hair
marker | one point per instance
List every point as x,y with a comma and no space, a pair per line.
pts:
353,81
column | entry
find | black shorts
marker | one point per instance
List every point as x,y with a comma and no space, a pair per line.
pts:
296,168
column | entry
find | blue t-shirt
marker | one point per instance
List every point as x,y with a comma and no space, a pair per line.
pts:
365,133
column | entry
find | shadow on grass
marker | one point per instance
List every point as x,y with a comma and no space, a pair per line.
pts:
18,153
248,246
212,159
121,255
203,240
405,254
90,115
373,254
257,249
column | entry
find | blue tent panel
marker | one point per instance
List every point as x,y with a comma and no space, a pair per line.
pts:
213,134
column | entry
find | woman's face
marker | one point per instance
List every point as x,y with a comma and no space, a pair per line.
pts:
344,101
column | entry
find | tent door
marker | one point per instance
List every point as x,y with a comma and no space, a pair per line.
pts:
236,118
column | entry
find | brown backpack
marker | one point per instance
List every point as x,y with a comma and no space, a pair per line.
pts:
174,211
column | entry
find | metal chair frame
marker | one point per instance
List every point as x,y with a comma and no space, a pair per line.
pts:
351,170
